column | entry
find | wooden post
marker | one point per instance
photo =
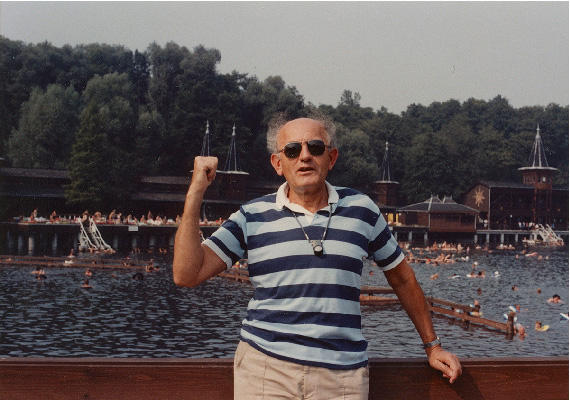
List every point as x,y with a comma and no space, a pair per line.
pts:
31,244
54,243
511,323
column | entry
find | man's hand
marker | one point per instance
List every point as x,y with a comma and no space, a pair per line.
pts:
444,361
204,173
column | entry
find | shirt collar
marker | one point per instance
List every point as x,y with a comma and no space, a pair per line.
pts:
283,201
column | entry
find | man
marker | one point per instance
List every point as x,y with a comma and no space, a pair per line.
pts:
305,245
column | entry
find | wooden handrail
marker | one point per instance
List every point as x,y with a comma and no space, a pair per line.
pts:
203,379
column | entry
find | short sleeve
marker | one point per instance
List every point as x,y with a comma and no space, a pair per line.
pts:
228,241
383,246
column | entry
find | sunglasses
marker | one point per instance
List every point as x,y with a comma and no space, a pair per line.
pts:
292,150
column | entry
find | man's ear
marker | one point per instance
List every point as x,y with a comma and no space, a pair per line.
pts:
333,156
276,163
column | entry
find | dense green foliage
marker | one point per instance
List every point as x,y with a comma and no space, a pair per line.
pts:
108,115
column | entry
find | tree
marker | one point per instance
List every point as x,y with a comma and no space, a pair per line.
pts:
12,93
46,129
263,100
164,84
350,113
148,143
356,166
438,114
139,74
102,158
428,171
88,167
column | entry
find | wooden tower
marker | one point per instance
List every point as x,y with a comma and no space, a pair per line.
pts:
386,188
538,174
232,179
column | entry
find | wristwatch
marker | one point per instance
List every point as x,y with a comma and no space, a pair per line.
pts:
431,344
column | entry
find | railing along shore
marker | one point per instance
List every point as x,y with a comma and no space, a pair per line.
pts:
203,379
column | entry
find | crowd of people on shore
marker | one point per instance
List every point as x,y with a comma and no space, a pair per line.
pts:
114,217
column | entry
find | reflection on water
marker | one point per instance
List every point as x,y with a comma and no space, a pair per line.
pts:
123,317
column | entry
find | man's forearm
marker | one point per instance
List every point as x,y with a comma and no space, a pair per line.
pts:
188,254
413,300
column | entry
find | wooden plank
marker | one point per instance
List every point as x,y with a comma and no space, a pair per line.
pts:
52,264
532,378
241,275
450,304
376,290
107,378
466,317
377,300
62,259
116,379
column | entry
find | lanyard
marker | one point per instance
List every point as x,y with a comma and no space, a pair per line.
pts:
317,244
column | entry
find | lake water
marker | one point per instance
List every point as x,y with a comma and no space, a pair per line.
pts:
122,317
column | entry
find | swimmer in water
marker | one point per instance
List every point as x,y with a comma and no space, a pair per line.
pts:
38,271
555,299
520,330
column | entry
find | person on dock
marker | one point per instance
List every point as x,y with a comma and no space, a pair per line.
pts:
304,246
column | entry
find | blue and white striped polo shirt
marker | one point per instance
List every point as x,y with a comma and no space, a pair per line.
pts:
306,308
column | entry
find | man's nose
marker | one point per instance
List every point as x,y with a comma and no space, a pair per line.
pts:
305,153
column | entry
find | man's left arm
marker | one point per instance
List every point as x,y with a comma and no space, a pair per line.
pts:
403,281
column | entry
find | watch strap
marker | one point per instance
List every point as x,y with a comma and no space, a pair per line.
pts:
436,342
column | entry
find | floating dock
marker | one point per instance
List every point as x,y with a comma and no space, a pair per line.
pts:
67,262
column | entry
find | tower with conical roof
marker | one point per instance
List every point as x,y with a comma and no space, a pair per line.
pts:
232,163
386,187
232,179
538,174
229,187
206,142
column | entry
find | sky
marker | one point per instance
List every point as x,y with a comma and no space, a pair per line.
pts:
392,53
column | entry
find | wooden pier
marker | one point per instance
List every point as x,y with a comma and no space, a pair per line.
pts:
237,274
41,238
438,306
67,262
212,379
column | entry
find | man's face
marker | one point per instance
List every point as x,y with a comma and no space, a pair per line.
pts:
307,171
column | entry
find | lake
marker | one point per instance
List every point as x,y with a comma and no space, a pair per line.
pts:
123,317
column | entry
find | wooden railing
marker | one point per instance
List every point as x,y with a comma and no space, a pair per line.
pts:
203,379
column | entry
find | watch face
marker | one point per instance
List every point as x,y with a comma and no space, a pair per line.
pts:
544,178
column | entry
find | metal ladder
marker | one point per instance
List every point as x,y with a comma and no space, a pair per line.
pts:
92,238
548,235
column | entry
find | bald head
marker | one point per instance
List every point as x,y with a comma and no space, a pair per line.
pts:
279,121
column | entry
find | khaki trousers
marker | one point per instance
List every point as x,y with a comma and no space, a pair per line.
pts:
259,376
